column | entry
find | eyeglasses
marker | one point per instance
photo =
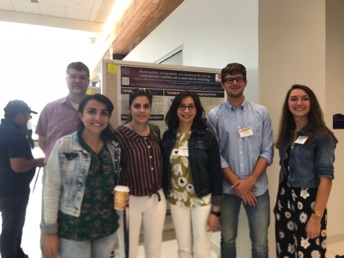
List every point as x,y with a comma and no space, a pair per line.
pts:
190,107
231,80
73,76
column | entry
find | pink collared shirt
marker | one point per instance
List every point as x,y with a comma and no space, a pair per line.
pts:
58,118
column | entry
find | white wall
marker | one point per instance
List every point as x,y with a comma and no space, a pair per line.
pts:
302,42
293,42
212,33
291,50
334,104
33,62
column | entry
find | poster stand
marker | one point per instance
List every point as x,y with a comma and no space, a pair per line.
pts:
164,82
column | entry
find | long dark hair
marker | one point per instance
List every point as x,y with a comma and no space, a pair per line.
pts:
172,119
108,133
315,124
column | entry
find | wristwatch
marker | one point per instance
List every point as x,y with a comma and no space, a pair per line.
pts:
318,214
216,213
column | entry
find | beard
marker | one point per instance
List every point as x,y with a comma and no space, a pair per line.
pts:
77,90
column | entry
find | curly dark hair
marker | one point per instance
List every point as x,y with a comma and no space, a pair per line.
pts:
172,119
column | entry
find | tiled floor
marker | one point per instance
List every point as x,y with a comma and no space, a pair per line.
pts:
31,235
169,250
334,249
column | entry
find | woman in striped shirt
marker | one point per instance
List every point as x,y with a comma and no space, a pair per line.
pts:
141,164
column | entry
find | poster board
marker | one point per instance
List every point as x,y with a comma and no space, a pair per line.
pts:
119,78
163,81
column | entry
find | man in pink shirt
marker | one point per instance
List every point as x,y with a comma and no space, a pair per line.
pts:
60,117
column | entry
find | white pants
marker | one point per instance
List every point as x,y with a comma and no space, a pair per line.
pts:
190,224
150,212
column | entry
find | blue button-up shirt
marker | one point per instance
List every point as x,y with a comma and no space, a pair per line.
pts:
242,154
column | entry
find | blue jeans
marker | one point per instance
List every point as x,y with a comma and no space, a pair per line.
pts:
258,220
98,248
13,211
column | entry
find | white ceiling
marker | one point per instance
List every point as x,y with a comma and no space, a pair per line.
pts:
111,26
85,15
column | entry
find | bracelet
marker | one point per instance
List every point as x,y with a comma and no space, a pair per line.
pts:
216,213
314,221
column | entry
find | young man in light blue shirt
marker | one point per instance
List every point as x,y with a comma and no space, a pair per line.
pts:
245,138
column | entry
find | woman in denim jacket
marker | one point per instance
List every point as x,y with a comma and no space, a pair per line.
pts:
78,218
306,147
192,176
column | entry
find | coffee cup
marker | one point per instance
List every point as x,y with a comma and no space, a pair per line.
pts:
121,193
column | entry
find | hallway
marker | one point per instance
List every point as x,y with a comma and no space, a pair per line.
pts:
31,235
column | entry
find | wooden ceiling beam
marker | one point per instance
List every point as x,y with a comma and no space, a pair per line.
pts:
138,22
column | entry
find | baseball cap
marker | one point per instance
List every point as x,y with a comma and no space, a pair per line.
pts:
15,107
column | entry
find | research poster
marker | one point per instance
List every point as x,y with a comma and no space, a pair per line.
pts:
165,84
119,78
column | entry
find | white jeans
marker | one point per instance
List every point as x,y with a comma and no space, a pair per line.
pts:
190,224
149,212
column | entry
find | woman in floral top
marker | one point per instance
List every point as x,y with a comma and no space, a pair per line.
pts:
192,176
306,148
79,219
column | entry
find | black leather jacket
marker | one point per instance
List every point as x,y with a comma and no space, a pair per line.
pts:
204,161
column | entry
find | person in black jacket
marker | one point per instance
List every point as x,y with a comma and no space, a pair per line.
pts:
192,176
17,168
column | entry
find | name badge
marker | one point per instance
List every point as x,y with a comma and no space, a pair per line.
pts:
183,151
301,139
245,132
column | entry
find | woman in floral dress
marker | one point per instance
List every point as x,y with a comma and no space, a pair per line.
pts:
306,147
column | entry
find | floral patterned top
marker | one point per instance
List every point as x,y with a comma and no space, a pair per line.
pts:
98,218
182,190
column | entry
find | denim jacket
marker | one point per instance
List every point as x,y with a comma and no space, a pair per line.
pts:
65,179
308,161
204,161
